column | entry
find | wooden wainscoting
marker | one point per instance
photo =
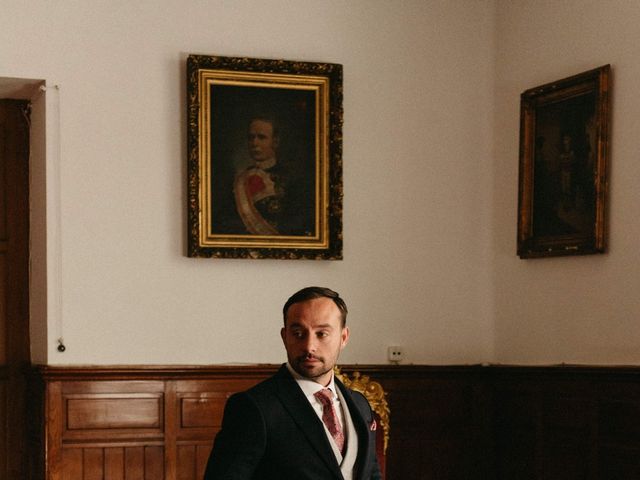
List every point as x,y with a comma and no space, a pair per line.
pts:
126,423
467,422
159,422
566,422
439,426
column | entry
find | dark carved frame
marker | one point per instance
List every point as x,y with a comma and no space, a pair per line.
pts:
566,93
327,241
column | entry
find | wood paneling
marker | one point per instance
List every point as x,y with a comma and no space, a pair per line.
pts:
101,412
446,422
133,423
112,463
566,422
201,411
4,443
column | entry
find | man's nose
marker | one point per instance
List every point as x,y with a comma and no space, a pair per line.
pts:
310,344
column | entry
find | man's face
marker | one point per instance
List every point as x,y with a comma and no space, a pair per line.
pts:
313,337
262,143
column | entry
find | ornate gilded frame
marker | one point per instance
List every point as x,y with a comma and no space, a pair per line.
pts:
564,136
304,100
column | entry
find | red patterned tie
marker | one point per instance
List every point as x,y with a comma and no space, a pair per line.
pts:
329,417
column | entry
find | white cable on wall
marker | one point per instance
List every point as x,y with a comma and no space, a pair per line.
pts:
57,200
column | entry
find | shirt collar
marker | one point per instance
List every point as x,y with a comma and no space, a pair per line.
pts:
309,387
266,164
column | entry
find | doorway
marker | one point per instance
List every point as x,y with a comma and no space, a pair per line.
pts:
15,355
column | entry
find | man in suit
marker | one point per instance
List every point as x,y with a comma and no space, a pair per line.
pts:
302,423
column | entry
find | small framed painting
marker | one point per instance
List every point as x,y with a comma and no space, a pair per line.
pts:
264,158
564,136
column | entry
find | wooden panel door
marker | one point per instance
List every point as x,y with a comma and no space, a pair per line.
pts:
14,285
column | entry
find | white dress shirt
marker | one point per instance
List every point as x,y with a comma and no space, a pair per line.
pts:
309,388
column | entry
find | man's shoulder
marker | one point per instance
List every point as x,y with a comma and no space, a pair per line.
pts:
358,398
269,385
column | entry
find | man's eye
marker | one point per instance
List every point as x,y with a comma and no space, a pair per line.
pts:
323,334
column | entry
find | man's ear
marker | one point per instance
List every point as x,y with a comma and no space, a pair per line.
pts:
282,334
344,337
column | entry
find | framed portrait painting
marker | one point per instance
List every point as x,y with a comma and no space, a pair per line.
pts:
264,158
564,136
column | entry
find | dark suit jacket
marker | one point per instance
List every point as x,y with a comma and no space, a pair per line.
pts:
272,432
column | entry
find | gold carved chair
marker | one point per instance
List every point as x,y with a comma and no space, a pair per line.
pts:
376,396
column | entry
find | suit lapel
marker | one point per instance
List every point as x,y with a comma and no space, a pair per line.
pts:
295,402
360,425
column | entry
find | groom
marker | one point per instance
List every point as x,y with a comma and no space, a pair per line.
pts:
302,423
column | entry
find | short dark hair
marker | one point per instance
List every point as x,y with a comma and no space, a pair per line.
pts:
309,293
268,118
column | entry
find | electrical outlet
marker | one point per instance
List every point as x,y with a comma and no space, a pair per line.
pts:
395,353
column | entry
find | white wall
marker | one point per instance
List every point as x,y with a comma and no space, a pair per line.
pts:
583,309
417,177
430,155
